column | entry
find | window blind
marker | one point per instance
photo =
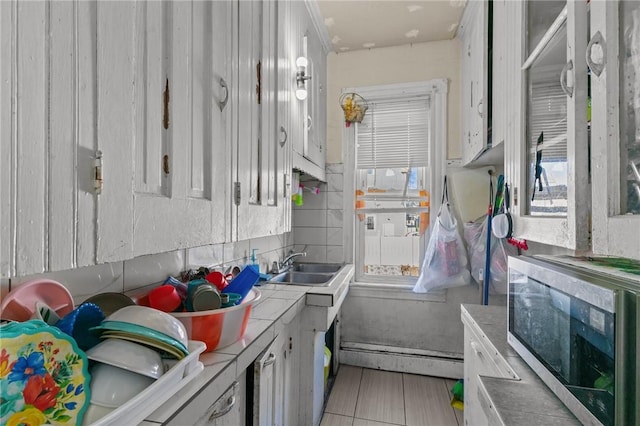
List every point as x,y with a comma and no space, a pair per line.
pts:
548,114
394,134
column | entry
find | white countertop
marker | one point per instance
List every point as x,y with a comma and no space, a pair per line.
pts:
524,402
279,305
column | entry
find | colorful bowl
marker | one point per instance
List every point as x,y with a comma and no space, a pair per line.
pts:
46,378
219,328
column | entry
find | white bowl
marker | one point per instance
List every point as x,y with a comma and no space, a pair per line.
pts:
153,319
113,386
128,355
94,413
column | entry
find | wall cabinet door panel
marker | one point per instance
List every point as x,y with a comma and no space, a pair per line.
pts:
615,127
115,128
547,162
259,180
285,103
181,131
474,108
309,115
48,136
6,139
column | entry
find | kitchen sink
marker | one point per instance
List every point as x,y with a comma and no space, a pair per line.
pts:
316,267
303,278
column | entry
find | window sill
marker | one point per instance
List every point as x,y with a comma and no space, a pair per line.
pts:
394,291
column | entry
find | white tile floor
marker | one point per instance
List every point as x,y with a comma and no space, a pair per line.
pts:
365,397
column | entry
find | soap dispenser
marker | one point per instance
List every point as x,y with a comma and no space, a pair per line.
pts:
253,264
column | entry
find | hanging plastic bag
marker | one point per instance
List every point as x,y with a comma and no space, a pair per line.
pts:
475,234
445,263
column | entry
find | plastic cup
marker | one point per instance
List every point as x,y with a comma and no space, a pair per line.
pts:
164,298
218,279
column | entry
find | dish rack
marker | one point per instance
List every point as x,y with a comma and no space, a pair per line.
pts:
177,375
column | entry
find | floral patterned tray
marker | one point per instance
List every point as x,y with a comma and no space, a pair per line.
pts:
44,377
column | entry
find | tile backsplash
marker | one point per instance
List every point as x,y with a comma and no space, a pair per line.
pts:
318,225
143,271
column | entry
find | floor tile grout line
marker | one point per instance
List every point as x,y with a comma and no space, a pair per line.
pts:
404,398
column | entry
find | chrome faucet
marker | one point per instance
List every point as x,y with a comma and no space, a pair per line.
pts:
286,263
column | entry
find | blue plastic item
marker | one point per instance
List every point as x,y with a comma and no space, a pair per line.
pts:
78,323
243,283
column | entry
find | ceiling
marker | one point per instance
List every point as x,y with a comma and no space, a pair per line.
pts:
366,24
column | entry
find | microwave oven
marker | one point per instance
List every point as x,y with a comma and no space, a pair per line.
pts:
576,327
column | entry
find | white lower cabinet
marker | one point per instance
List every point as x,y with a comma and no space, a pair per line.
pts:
228,409
275,391
480,359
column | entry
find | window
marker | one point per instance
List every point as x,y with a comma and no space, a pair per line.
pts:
396,167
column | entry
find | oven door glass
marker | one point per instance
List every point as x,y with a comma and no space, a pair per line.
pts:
574,340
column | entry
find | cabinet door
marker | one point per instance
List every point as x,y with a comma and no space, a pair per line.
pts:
614,60
231,408
258,185
6,140
309,115
474,75
180,143
47,134
315,105
268,395
548,170
286,101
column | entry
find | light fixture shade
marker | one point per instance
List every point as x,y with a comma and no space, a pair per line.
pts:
301,93
302,62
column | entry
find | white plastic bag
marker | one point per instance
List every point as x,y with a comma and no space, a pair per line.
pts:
475,234
445,263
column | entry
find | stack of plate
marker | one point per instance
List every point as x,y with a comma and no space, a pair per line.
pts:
148,327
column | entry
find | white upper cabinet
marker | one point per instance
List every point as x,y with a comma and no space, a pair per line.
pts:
287,55
475,104
316,112
259,183
614,60
171,148
309,115
547,162
47,136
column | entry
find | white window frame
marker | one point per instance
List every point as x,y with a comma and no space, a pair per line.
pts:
436,90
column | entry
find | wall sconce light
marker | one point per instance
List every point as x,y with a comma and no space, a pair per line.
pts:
301,78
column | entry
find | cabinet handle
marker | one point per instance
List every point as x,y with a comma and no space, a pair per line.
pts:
270,360
231,401
309,122
565,75
480,108
223,103
284,132
597,65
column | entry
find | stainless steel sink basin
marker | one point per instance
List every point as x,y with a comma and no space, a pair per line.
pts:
302,278
316,267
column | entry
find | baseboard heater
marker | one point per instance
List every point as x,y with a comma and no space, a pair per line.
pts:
403,360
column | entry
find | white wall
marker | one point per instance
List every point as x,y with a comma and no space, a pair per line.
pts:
402,64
